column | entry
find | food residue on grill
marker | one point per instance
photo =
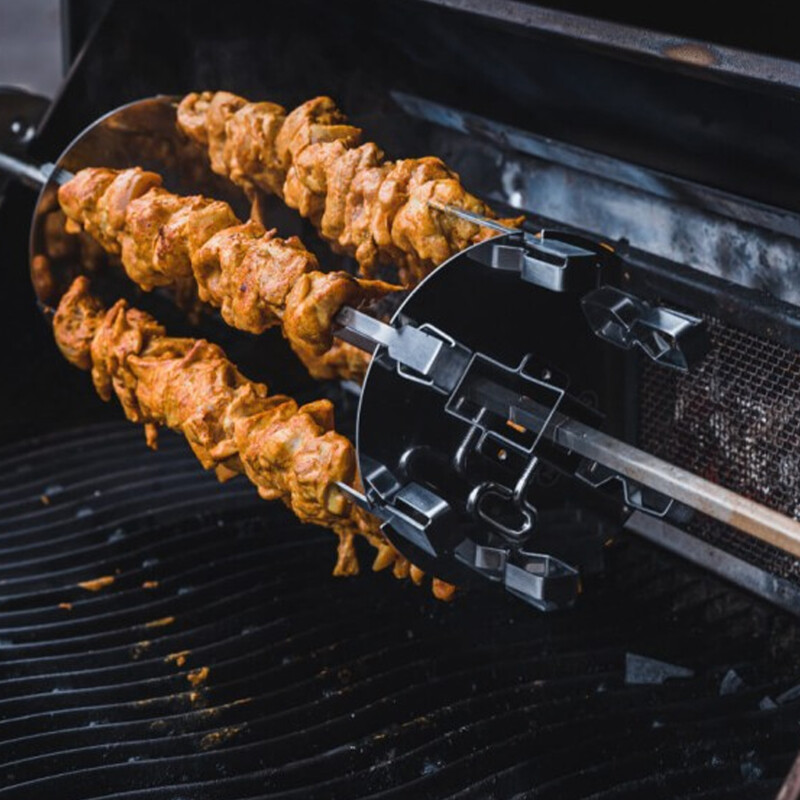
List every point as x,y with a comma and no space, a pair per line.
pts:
443,591
196,698
215,711
44,499
177,658
97,584
150,701
139,649
159,623
150,585
216,738
65,606
198,676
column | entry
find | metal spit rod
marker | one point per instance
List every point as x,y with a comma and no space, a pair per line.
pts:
624,459
685,487
33,175
645,469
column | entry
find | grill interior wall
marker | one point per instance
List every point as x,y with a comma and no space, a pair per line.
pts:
734,420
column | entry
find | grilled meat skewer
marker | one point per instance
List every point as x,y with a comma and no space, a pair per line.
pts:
255,278
378,211
291,453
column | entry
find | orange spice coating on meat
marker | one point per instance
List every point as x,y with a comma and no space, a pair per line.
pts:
372,209
254,277
291,453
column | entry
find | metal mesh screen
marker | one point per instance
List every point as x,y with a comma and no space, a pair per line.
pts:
734,420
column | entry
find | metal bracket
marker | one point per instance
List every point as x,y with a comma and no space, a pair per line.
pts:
413,511
497,402
554,260
524,404
407,345
636,496
669,337
543,581
423,354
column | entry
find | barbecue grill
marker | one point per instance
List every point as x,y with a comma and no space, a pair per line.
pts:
166,636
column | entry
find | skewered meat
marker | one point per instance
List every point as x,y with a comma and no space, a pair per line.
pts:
374,210
257,279
233,425
60,255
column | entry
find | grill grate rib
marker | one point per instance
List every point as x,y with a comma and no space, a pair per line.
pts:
318,687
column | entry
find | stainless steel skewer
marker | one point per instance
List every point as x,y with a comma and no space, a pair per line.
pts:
484,222
30,174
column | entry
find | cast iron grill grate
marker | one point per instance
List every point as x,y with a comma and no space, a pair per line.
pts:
734,420
223,661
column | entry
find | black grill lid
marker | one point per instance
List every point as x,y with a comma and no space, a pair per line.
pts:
225,662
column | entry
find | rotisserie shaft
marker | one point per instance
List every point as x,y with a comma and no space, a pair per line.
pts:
233,425
375,210
255,278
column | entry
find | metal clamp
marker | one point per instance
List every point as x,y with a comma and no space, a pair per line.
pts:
413,511
554,260
423,354
635,496
668,337
516,497
541,580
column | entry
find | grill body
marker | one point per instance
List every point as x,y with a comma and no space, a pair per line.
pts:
243,669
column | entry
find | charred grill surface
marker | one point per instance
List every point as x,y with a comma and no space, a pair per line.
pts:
209,654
